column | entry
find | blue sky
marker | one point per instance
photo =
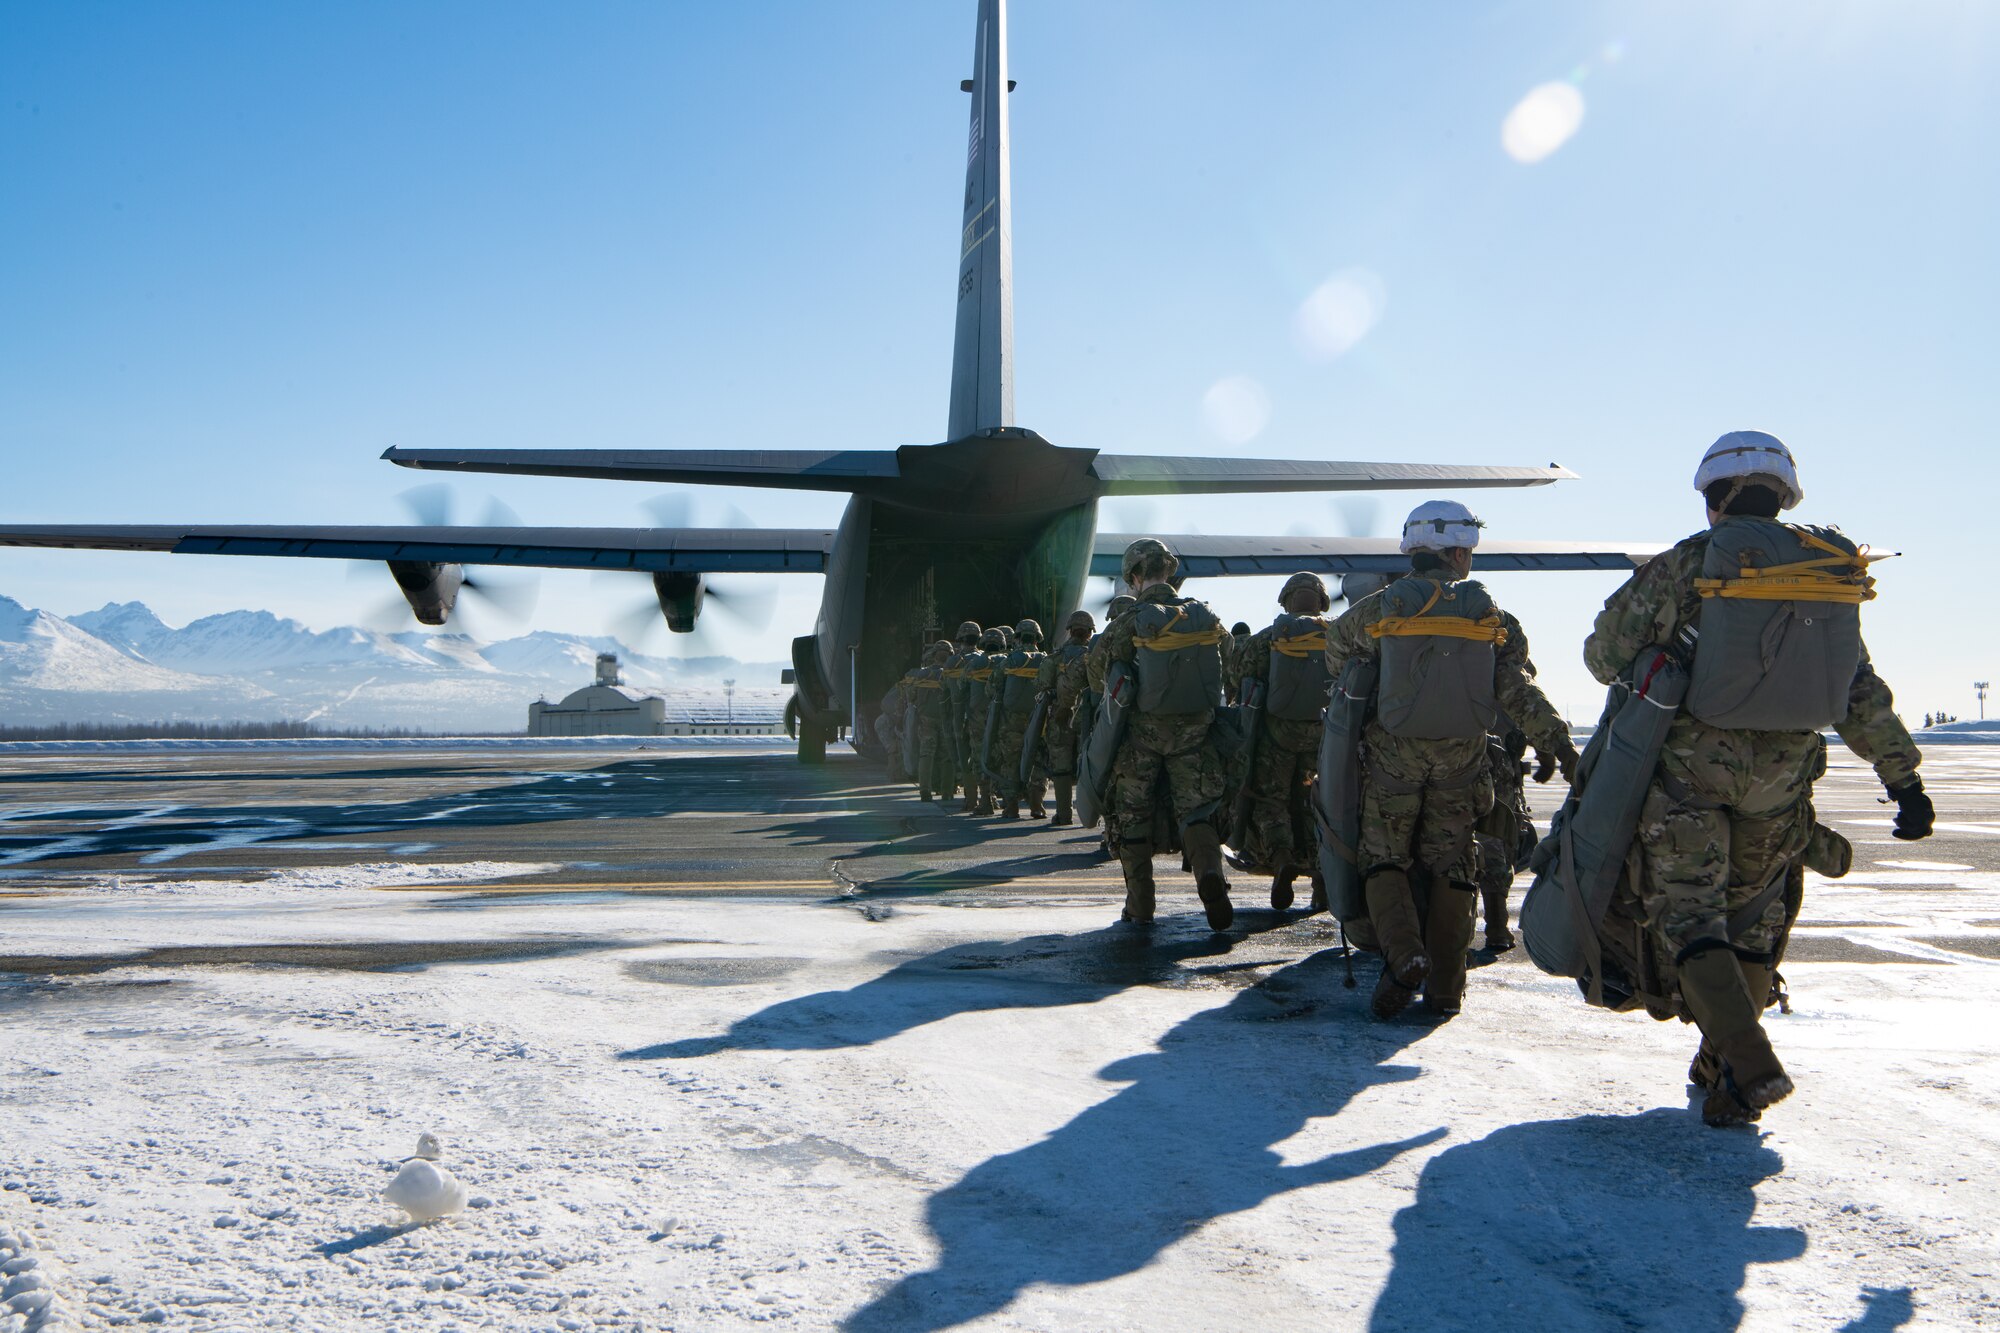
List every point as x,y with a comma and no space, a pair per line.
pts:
244,248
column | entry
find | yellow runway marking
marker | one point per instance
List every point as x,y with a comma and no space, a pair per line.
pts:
698,886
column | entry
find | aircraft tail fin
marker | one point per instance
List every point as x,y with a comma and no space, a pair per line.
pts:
982,360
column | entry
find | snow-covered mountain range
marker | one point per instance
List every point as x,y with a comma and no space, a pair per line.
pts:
123,663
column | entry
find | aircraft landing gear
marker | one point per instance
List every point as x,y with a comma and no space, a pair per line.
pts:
812,743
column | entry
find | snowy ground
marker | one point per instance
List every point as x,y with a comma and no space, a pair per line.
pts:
885,1109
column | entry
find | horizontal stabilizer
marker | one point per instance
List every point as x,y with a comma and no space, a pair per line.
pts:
1159,474
1221,557
789,469
689,550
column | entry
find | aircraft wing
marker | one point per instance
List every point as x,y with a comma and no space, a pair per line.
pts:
1214,557
843,470
690,550
1161,474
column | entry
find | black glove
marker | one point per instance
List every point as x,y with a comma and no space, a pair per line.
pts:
1914,812
1563,756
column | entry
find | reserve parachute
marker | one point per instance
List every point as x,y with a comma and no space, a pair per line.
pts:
1437,641
1179,657
1297,673
1780,626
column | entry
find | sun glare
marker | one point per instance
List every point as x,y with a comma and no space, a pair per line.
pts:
1237,409
1542,122
1339,314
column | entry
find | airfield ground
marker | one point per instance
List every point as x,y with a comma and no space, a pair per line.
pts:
718,1041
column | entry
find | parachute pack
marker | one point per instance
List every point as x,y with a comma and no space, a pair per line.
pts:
1108,713
1438,642
1336,796
1582,917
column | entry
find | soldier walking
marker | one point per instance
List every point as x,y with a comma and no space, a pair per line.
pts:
1774,610
1173,646
1448,668
1014,686
1060,684
1287,662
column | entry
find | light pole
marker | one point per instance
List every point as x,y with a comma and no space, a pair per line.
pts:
729,698
1979,688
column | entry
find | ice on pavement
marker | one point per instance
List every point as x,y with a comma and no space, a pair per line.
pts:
1004,1118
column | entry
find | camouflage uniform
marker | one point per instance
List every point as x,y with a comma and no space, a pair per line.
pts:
1014,685
1501,832
1061,681
1728,809
1728,812
926,688
1279,829
965,655
1174,749
1421,802
1421,798
982,677
889,730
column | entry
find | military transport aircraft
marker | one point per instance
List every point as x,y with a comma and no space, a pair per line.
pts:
993,524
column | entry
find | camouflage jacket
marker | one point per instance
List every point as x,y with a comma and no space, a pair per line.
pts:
1062,678
1660,598
1513,671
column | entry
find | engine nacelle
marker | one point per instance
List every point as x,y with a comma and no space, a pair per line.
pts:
431,589
680,599
1354,587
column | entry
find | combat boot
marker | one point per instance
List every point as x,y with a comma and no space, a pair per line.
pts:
971,802
1065,812
1136,858
1281,889
1035,809
985,806
1498,938
1012,810
1720,996
1447,932
1319,892
1393,913
1204,857
924,794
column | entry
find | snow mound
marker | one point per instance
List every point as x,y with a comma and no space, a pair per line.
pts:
29,1287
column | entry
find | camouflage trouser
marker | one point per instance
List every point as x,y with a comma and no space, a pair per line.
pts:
1420,802
1175,747
1009,738
1059,748
1281,774
931,756
1728,811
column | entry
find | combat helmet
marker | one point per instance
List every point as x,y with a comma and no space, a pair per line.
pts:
968,632
1440,525
1082,620
1305,579
1751,457
938,653
993,640
1120,604
1148,551
1028,631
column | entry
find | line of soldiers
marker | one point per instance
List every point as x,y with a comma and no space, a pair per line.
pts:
1222,737
993,715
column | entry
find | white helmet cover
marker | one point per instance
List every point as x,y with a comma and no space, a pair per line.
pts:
1439,525
1750,453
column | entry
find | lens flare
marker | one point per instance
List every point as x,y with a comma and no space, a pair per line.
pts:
1542,122
1339,314
1237,409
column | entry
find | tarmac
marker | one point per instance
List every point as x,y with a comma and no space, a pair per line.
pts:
748,821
